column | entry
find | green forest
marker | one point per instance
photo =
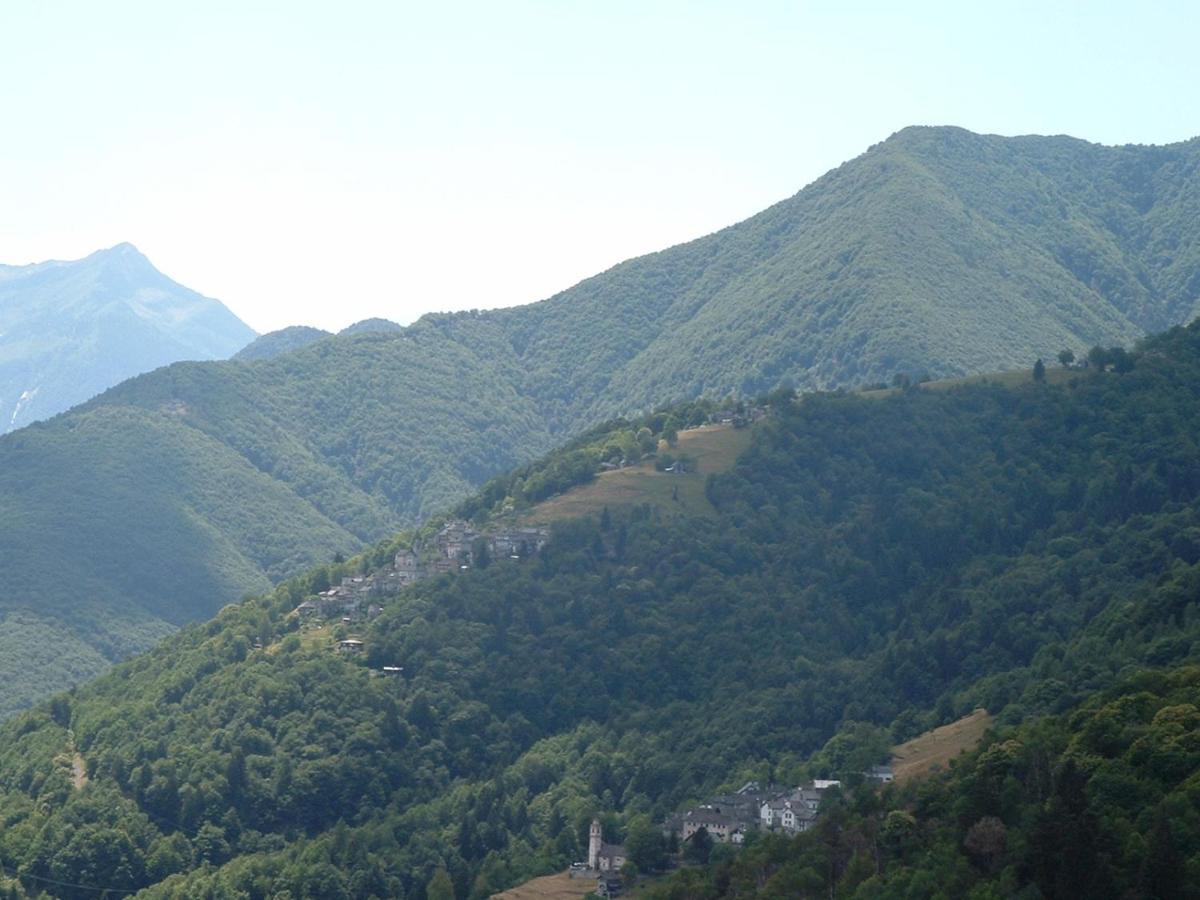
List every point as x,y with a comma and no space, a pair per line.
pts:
1100,802
877,565
936,252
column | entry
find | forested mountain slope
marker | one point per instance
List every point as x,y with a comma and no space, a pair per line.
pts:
68,330
184,489
873,566
937,251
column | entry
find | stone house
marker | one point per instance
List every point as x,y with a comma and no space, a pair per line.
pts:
386,582
882,774
517,542
719,825
454,541
407,566
337,602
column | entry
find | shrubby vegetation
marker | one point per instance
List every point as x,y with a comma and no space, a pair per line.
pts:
876,566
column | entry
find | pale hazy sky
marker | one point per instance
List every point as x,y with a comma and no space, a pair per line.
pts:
320,163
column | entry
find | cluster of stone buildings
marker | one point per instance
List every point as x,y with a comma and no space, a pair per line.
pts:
452,549
354,598
727,818
456,546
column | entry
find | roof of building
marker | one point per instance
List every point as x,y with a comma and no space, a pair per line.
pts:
709,817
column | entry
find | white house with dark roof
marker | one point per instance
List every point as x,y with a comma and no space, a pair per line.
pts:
797,810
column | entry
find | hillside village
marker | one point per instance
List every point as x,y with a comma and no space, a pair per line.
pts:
727,818
457,546
724,819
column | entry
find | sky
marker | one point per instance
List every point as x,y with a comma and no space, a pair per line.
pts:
322,163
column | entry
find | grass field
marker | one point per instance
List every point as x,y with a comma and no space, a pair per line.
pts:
550,887
1054,375
317,638
311,638
714,449
934,749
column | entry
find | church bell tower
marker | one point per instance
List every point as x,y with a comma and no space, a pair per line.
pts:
594,845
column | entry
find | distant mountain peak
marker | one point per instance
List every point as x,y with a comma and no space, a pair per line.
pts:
124,257
121,251
73,328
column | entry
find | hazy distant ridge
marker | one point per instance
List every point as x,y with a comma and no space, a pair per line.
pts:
68,330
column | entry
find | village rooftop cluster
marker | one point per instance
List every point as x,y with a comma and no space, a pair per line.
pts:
456,547
725,819
728,817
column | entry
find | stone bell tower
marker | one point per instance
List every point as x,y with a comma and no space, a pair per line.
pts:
594,842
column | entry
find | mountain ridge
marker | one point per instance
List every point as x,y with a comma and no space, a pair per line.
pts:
936,252
706,306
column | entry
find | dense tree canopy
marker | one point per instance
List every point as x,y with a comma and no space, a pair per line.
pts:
874,567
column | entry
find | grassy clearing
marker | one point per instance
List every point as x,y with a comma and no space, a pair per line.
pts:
550,887
934,749
1012,378
713,447
312,637
1054,375
317,638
